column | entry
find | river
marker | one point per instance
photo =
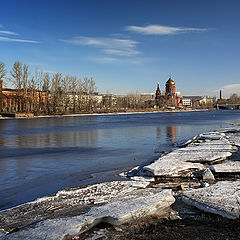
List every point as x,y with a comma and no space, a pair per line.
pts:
40,156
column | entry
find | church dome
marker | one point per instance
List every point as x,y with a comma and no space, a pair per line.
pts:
170,82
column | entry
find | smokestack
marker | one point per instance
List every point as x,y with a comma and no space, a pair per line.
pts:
1,83
220,97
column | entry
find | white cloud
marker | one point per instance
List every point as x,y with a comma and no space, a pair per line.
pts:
103,42
122,52
104,60
229,89
6,39
35,64
45,71
163,30
113,46
8,33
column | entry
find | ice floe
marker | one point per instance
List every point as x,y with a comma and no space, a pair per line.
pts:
170,166
208,147
67,202
222,198
115,212
226,167
211,135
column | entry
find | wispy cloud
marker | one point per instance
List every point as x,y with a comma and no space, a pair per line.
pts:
7,33
121,52
113,46
4,37
45,71
229,89
36,64
104,60
232,87
163,30
103,42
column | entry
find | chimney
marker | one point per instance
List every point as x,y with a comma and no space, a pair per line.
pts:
1,83
220,97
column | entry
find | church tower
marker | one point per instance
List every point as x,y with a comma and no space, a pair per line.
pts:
158,92
170,87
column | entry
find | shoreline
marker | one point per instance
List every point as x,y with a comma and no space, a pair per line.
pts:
223,139
108,113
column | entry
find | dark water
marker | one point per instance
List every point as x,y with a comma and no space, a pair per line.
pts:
42,155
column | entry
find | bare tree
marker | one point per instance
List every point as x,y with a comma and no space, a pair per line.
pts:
17,73
92,86
46,92
25,78
56,92
234,98
46,82
25,87
73,91
3,71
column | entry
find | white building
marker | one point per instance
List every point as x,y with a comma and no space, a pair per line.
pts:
187,102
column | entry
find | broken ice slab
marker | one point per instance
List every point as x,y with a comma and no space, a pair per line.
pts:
142,203
226,167
214,147
222,198
170,165
68,202
211,136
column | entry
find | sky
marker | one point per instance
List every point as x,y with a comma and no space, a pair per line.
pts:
128,46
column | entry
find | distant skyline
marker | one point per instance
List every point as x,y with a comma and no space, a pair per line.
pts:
128,46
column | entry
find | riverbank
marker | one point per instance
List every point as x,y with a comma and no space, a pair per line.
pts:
202,174
96,113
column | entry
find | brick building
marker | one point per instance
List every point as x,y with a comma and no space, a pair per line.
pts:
20,100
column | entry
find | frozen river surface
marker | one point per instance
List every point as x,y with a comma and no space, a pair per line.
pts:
43,155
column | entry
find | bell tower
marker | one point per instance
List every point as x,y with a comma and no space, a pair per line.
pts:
158,92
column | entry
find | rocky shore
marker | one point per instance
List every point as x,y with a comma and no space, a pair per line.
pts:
201,176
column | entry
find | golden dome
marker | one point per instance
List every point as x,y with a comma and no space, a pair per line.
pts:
170,82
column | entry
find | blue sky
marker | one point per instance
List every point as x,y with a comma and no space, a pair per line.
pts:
128,45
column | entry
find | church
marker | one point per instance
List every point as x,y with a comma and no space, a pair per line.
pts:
171,98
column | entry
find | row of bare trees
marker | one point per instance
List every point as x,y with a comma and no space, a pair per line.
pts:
43,92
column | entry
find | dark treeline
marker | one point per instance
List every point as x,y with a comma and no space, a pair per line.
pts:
43,92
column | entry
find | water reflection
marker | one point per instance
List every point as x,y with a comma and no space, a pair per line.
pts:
158,131
2,139
171,133
58,139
